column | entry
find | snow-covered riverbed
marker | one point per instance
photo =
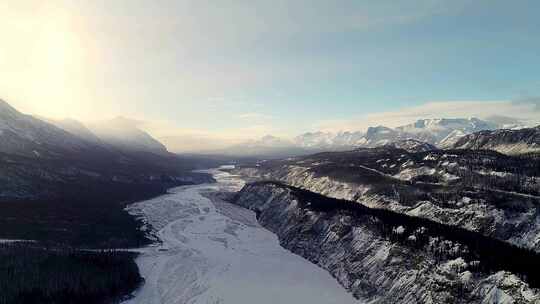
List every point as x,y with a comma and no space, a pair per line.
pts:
218,253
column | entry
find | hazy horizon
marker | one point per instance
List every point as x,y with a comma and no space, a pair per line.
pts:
209,75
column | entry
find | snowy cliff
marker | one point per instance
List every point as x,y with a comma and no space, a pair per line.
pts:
383,258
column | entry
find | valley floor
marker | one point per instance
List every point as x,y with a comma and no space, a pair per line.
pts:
216,252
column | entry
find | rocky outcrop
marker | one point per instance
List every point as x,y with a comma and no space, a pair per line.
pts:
380,259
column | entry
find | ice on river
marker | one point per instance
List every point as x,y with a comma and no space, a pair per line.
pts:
218,253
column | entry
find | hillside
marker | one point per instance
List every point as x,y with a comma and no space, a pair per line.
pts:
482,191
66,186
506,141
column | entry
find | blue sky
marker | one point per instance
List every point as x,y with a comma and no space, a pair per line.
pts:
254,67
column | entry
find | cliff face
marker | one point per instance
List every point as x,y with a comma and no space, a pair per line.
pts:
377,260
480,191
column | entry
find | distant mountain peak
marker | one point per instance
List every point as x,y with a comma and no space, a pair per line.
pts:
124,134
320,140
269,141
424,134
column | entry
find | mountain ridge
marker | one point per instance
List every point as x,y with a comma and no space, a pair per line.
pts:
26,135
506,141
441,132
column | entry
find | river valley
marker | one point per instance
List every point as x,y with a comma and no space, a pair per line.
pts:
210,251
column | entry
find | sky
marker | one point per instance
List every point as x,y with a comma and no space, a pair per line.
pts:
227,69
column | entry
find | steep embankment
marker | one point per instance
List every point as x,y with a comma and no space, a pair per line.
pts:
385,257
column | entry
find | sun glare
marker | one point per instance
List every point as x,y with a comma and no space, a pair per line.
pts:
49,78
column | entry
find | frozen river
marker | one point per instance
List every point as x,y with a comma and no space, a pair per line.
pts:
216,252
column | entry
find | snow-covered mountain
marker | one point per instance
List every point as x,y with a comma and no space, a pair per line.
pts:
76,128
28,136
268,141
118,134
435,131
343,141
504,140
124,135
330,141
444,132
266,147
275,147
37,157
381,135
438,132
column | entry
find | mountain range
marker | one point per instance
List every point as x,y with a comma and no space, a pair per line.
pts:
442,133
28,136
36,151
41,137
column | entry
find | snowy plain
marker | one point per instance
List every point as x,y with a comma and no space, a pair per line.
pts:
215,252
